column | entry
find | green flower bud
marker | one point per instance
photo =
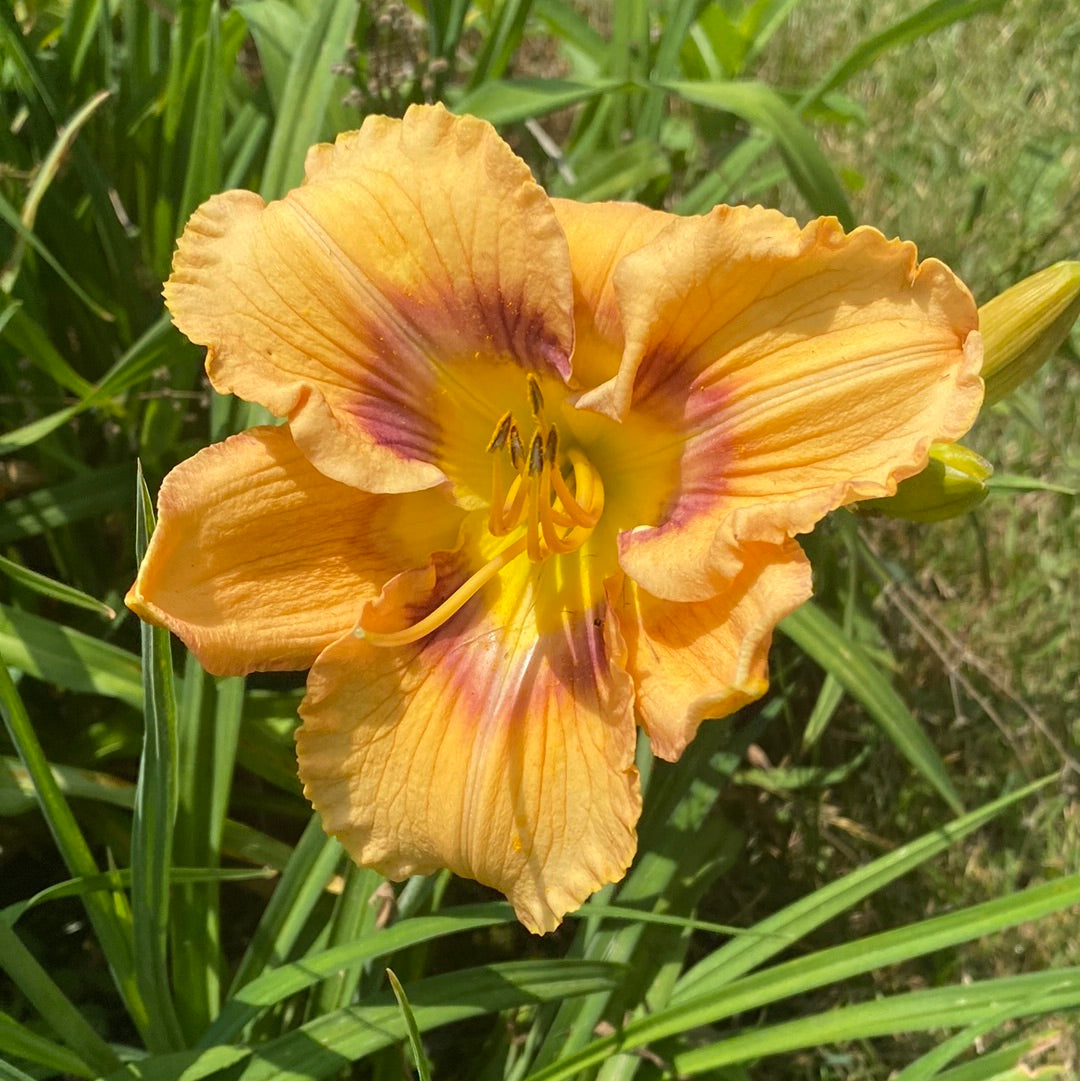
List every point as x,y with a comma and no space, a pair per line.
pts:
1023,326
953,482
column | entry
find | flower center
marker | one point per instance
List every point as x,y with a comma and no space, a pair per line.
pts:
528,492
534,492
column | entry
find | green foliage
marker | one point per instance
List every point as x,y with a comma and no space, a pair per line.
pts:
127,788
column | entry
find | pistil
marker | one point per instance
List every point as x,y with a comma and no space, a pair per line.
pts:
451,606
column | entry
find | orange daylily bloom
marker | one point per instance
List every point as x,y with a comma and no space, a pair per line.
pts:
539,480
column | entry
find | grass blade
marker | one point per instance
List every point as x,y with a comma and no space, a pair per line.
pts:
136,363
20,1042
761,106
354,916
777,932
302,886
929,1066
276,984
931,17
324,1046
622,173
238,841
82,24
53,508
1013,1062
31,340
209,727
10,215
155,817
77,887
302,112
423,1067
763,19
69,659
684,844
514,100
320,1048
46,172
676,26
108,913
700,991
53,1005
822,640
784,981
57,591
203,140
501,42
917,1011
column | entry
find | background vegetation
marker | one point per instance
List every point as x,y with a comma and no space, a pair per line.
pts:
168,902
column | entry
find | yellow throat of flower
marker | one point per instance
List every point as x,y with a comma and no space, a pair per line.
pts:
529,497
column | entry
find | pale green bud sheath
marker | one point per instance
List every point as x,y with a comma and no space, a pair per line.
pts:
953,483
1024,326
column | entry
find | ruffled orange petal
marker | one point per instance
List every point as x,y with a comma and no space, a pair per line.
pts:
259,561
694,660
800,368
412,245
501,746
600,235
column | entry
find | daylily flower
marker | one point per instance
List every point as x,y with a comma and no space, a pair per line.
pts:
541,471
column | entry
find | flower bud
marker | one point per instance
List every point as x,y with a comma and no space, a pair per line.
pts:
1023,326
953,482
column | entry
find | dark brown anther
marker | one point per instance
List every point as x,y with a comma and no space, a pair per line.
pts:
502,431
551,449
517,448
536,397
536,455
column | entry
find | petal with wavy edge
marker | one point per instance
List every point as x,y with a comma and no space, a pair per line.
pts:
692,660
802,369
501,746
259,561
410,245
600,235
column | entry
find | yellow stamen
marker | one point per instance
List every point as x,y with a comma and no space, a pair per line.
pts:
498,497
532,531
590,490
572,506
450,607
515,503
546,513
537,497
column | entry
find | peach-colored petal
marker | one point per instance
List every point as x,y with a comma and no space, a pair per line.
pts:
501,746
600,235
694,660
411,245
259,561
802,369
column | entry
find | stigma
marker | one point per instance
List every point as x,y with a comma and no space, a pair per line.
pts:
544,500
